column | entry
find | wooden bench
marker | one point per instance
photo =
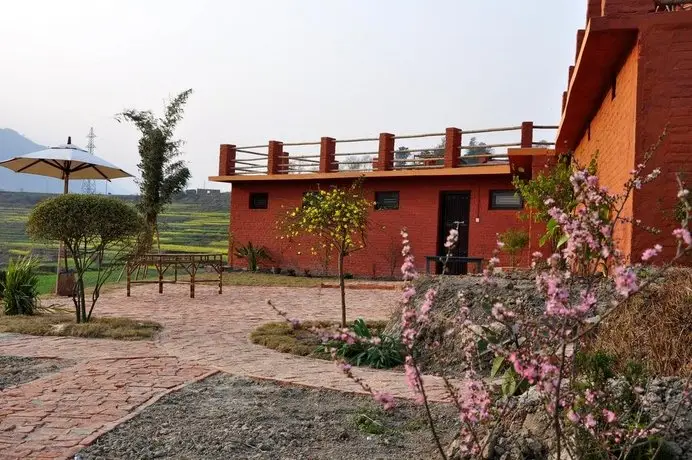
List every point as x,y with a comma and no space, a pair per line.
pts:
162,262
477,261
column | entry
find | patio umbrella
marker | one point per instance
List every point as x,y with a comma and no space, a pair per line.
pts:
65,162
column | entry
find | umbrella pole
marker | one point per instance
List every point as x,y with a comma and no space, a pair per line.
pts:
62,254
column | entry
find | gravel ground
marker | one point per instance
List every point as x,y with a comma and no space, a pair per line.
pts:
227,417
15,370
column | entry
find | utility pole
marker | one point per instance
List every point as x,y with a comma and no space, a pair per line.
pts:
88,186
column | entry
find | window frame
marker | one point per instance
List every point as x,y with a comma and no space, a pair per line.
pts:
398,200
492,206
253,195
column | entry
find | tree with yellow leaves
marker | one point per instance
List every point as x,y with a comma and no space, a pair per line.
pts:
338,217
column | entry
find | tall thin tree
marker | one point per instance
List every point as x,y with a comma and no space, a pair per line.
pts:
163,174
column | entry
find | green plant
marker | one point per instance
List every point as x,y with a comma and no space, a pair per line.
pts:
514,241
20,287
368,420
338,218
3,277
98,232
554,184
163,175
381,351
253,254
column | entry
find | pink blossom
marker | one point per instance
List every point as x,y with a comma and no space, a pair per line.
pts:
427,305
609,416
452,238
652,252
573,416
385,399
625,281
590,421
684,235
413,379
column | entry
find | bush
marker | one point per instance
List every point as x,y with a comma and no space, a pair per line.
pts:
3,277
19,287
90,227
514,241
253,254
365,348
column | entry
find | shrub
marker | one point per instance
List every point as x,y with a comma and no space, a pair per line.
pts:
91,227
3,277
19,287
514,241
362,347
253,254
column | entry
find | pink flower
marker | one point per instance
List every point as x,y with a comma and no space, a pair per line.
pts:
385,399
573,416
452,238
609,416
652,252
590,422
625,281
684,235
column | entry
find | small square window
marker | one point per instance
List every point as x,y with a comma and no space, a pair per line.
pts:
259,200
505,199
386,200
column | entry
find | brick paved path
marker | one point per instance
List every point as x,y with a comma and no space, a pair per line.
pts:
52,416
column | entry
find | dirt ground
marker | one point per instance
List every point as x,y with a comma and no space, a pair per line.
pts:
15,370
227,417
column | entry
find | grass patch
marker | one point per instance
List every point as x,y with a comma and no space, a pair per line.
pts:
46,281
269,279
63,324
301,340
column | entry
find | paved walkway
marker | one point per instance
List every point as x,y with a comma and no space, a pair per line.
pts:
53,416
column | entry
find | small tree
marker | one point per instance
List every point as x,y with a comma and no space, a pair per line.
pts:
91,227
163,175
339,218
513,242
554,183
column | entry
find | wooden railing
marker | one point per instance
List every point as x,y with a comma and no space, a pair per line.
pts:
383,153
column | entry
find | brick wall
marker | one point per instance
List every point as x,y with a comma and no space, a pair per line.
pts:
620,7
664,99
418,211
611,134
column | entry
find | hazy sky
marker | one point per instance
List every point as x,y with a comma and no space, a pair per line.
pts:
282,69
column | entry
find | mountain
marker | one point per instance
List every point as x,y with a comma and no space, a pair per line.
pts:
13,144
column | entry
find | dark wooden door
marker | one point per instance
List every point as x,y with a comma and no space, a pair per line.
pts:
454,213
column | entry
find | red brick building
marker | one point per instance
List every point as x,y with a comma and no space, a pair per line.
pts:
429,192
632,78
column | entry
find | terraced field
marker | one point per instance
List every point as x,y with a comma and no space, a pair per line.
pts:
185,227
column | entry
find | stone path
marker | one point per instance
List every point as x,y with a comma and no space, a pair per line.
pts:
53,416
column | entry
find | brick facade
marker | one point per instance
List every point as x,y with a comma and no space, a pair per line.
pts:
610,137
649,91
418,210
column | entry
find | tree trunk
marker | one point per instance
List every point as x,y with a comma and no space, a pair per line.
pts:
82,298
342,288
